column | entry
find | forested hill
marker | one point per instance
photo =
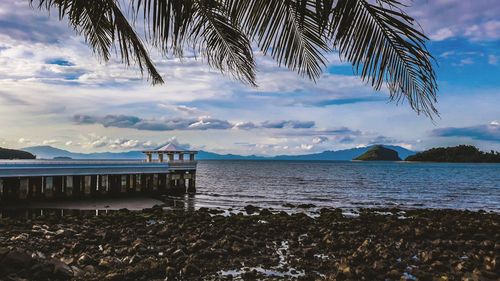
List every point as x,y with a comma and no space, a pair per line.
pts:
379,153
15,154
457,154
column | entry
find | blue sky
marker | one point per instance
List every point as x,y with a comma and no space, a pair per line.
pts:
54,91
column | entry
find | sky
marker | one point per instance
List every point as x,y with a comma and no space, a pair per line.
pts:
55,91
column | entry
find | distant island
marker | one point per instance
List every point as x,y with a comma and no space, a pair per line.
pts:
49,152
6,153
461,153
379,153
457,154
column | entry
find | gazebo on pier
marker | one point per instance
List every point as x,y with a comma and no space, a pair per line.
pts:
75,179
174,153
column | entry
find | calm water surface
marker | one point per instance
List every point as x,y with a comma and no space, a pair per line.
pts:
348,184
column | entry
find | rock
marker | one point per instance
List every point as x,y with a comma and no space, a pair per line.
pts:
190,270
306,206
17,258
265,212
89,268
42,270
308,252
77,272
170,273
178,253
68,261
113,276
104,262
61,269
20,237
111,236
491,263
394,273
3,251
250,209
84,259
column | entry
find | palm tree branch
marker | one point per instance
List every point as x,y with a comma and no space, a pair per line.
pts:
131,45
103,24
383,46
224,45
288,29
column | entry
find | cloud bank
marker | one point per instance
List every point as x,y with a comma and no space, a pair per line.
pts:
489,132
170,124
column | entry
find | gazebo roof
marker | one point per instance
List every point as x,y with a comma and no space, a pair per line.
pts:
170,147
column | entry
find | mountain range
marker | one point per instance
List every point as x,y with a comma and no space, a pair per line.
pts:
49,152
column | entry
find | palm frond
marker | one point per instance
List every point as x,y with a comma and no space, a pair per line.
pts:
381,41
131,46
103,24
174,25
384,46
225,47
92,21
288,29
167,22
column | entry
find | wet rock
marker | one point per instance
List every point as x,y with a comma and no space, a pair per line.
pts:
306,206
17,258
191,270
84,259
62,270
170,273
265,212
3,251
113,276
20,237
42,270
77,272
68,261
250,209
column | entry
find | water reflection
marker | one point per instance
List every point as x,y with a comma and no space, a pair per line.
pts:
96,207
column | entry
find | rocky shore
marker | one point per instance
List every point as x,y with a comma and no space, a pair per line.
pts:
154,244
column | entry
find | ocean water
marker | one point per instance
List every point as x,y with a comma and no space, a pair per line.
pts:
230,184
340,184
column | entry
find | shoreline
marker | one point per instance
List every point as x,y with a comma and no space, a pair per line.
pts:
208,244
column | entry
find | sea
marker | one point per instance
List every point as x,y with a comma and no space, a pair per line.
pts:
348,184
286,185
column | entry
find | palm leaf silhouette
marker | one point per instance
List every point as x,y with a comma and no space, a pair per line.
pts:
384,44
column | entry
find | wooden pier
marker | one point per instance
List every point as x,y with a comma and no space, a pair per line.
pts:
25,180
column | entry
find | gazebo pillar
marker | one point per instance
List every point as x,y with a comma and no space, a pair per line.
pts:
170,156
191,156
149,156
181,156
160,156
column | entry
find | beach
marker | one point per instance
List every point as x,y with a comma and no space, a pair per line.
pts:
254,243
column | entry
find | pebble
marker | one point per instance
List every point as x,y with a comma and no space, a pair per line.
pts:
178,245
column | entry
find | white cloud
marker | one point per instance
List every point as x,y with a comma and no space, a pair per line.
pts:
49,142
466,61
306,146
489,30
319,139
24,141
93,141
442,34
444,19
493,60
